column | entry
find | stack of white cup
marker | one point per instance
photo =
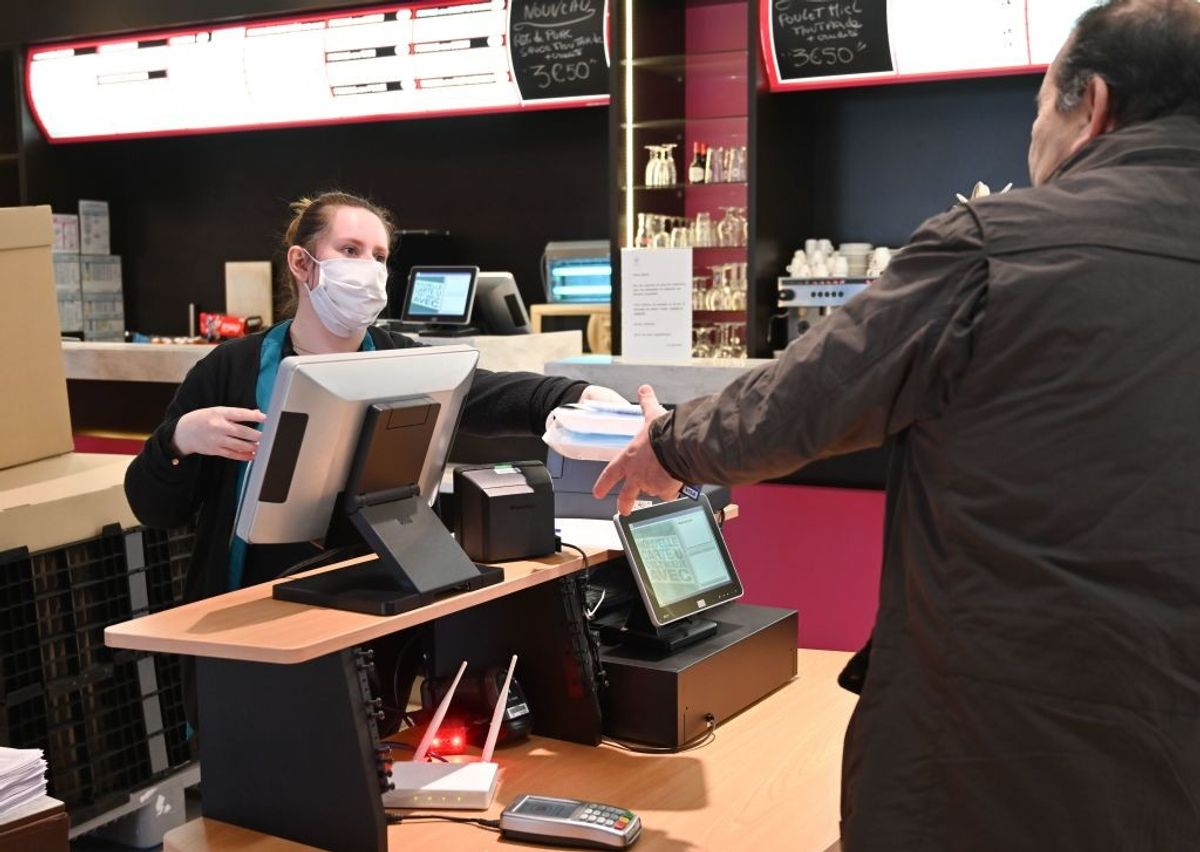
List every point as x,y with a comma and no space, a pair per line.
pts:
852,260
857,257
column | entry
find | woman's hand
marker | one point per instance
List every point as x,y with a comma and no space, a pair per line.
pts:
218,431
599,393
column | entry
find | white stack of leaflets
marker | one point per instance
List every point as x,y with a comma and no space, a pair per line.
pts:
22,777
592,431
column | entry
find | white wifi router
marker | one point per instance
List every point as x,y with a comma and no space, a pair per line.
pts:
459,786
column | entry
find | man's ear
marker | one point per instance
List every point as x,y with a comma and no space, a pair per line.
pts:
1097,108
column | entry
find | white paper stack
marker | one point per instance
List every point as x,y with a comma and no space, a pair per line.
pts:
592,431
22,777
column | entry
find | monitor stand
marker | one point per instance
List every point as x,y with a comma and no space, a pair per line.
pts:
639,632
449,331
382,507
417,561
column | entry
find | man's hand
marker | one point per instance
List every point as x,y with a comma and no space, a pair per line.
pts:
637,465
218,431
599,393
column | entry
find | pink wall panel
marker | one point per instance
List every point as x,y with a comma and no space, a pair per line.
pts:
101,444
815,550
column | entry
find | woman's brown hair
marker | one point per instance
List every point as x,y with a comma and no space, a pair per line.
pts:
310,218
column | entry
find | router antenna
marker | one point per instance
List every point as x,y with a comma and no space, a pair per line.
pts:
498,714
438,716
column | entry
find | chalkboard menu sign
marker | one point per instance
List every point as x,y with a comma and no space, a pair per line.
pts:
813,44
557,48
819,38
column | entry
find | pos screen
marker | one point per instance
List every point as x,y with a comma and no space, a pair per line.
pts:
441,295
679,559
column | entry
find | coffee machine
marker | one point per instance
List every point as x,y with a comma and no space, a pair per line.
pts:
804,301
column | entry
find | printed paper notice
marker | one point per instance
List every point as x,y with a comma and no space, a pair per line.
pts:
656,304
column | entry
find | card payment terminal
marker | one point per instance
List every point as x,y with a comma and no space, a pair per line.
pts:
569,822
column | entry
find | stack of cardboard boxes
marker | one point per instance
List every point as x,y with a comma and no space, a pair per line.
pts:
110,723
48,494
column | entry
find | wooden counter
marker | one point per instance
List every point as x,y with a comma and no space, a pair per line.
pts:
769,781
251,625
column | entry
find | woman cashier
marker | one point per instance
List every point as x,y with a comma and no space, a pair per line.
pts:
193,465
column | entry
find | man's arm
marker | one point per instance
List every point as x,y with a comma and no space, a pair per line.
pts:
891,356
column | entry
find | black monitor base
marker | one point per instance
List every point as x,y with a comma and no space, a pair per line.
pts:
449,331
371,588
638,632
418,558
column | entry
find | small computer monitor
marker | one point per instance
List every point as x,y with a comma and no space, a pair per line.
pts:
315,421
440,295
499,307
678,558
577,271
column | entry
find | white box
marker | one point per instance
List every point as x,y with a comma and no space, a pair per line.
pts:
69,290
100,274
94,227
70,315
66,232
248,289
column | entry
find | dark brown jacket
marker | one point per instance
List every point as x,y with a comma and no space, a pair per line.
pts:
1035,674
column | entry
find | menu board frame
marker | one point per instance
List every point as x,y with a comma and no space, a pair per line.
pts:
777,82
519,103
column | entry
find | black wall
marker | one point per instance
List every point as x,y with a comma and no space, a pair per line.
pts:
502,184
870,164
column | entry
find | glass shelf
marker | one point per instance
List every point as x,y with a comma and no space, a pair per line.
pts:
710,251
679,186
672,123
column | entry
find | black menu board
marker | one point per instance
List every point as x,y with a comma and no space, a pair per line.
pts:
830,38
557,48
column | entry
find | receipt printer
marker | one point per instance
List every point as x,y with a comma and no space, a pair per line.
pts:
505,511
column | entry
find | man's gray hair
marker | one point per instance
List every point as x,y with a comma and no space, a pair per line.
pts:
1147,51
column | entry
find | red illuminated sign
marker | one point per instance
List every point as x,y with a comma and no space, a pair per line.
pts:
400,61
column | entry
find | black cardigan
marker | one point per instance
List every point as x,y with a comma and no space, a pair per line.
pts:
165,492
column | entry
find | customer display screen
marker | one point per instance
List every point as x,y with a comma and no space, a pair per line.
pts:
440,294
679,559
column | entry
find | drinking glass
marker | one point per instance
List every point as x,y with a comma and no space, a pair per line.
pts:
670,175
704,230
652,165
700,286
661,235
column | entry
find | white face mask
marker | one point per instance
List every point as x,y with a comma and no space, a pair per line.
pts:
350,293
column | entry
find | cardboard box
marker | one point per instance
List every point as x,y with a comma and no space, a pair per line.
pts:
61,500
35,422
